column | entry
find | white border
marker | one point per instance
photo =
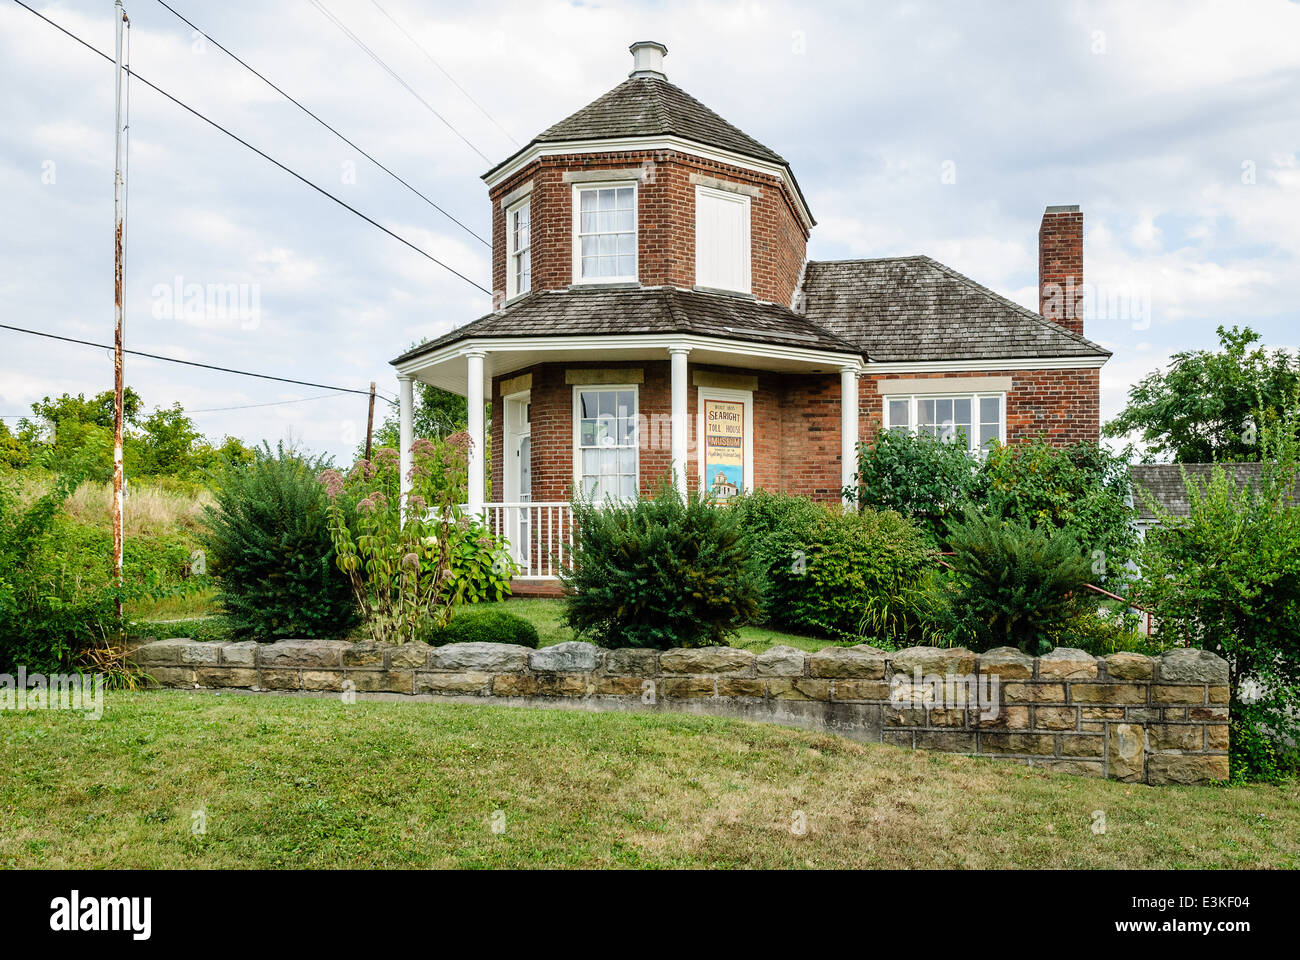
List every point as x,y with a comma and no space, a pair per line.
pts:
576,246
577,426
732,396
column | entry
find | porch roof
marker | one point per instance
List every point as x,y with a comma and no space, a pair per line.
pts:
631,310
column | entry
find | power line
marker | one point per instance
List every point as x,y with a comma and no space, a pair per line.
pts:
324,124
422,49
393,73
298,176
273,403
189,363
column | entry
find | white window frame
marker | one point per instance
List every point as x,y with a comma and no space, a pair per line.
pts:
912,408
730,396
747,253
578,189
512,283
577,429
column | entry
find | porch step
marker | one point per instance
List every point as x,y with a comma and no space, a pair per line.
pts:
520,587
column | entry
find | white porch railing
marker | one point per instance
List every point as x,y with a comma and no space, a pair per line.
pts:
539,536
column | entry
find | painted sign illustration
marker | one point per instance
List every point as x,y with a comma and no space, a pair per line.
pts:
724,447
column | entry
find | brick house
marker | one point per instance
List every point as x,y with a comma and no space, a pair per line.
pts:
657,317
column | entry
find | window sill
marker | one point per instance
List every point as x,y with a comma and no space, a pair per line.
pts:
724,292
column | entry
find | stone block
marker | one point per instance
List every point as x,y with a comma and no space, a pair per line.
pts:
302,653
945,741
781,661
1038,744
1192,666
1034,693
712,660
1108,693
464,683
162,652
1126,751
860,690
1007,663
1081,745
1130,666
514,685
239,653
1186,768
572,656
847,663
165,676
322,680
684,688
226,677
367,654
279,678
1056,718
799,688
741,687
932,660
629,686
1067,663
491,657
1177,693
630,661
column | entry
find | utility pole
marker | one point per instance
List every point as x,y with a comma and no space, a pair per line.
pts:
370,420
119,188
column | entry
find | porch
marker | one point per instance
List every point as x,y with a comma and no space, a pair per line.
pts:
614,416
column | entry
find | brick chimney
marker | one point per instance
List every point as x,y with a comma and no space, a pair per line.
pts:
1060,267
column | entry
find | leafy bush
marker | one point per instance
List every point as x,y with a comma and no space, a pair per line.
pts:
1226,578
410,566
1013,584
776,528
269,550
486,626
661,572
1083,490
56,604
849,574
922,477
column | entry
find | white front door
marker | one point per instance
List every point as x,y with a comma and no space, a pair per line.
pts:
518,475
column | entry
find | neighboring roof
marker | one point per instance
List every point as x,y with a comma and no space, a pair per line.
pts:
914,308
596,311
1164,483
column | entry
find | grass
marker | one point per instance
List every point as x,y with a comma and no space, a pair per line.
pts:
303,782
548,617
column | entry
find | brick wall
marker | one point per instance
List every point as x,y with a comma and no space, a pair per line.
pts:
796,429
1062,405
1139,719
1060,267
666,224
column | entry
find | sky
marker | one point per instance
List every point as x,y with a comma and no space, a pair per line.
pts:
934,128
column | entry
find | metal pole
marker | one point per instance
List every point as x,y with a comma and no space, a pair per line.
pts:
119,184
370,420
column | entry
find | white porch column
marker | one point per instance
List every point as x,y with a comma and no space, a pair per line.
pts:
406,433
848,429
680,424
474,370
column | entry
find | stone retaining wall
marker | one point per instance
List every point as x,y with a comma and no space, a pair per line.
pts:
1144,719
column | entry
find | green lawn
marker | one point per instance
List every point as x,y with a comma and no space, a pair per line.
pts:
548,617
303,782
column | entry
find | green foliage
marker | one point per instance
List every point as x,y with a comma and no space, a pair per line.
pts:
470,625
1255,751
56,604
270,553
922,477
1211,405
1013,585
1082,490
1226,578
73,436
660,572
1102,636
410,566
831,573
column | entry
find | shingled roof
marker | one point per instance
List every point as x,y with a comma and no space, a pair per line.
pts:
597,311
914,308
1164,483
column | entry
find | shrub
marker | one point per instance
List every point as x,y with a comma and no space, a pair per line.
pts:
661,572
776,528
1226,578
850,574
1083,490
924,478
269,550
410,565
56,604
1013,584
486,626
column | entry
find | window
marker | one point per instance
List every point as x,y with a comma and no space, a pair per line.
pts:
721,240
604,233
977,418
606,442
519,269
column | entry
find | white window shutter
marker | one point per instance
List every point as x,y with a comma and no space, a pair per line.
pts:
721,240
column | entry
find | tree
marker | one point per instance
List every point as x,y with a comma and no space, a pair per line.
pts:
1226,578
923,477
438,414
1211,405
